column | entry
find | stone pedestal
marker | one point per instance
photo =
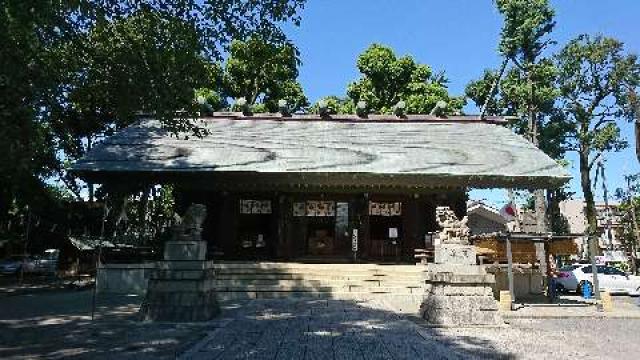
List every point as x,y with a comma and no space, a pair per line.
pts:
185,250
457,291
455,254
182,288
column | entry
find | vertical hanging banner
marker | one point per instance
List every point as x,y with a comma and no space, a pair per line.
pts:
354,241
342,221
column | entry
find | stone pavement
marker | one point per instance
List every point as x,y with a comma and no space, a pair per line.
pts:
57,325
338,329
326,329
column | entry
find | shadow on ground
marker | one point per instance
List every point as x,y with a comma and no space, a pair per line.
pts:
58,325
329,329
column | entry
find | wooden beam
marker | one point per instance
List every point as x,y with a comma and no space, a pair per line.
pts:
510,271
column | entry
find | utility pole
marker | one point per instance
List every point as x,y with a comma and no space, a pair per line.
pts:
636,233
594,269
26,244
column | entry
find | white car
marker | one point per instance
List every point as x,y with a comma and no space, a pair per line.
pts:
573,278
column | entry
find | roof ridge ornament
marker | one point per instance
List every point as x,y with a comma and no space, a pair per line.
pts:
398,108
283,107
439,108
361,109
323,108
243,104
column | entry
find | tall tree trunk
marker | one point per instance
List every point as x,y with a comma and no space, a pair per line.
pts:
538,194
90,185
585,182
556,221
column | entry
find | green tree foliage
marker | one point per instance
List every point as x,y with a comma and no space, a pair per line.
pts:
527,88
387,79
629,208
335,105
72,71
142,217
146,62
264,73
595,76
142,63
27,29
512,97
527,24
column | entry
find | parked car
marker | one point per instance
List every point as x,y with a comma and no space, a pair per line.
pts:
47,262
13,264
574,277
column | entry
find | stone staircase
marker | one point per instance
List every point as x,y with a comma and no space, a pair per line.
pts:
399,284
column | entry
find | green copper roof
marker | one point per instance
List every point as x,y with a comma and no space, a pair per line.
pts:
476,152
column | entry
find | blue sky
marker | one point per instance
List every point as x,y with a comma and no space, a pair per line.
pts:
457,36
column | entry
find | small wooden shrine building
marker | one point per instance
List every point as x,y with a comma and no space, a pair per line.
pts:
323,188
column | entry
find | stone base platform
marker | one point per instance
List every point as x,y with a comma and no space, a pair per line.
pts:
181,291
455,254
457,291
459,300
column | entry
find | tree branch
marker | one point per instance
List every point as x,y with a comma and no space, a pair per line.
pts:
517,63
603,120
594,160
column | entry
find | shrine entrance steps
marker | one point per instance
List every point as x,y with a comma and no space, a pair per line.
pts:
399,285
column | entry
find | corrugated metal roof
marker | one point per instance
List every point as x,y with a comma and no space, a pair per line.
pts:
426,147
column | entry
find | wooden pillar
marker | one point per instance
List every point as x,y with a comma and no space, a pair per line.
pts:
510,268
364,235
228,225
412,232
284,226
548,274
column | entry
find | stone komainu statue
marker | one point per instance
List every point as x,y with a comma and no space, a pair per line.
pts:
189,227
453,231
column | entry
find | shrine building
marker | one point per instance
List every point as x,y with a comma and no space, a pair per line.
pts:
327,188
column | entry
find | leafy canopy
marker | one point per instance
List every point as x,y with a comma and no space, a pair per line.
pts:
387,79
595,78
528,86
72,71
526,25
263,73
146,62
528,89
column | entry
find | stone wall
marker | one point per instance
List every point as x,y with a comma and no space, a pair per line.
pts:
124,278
526,281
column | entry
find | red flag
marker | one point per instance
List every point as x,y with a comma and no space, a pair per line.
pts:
508,211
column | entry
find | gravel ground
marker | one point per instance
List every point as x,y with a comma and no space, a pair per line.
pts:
57,324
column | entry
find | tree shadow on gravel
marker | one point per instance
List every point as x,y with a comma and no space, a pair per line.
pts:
329,329
58,325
